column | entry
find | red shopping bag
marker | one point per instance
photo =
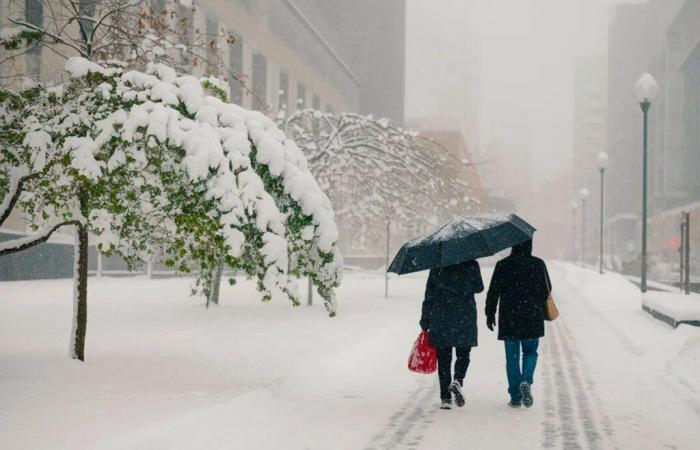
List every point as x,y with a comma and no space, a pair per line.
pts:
423,358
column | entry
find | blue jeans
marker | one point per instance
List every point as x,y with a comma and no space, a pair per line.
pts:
516,374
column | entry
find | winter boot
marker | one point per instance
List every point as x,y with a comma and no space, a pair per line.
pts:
513,404
527,393
446,404
456,389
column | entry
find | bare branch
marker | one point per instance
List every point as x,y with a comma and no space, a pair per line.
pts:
55,37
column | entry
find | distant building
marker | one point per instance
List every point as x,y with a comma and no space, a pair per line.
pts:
590,115
506,167
554,237
463,166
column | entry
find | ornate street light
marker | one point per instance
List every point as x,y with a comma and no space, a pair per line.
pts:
645,89
583,193
602,165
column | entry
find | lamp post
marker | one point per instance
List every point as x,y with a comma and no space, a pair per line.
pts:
584,193
574,206
602,164
645,90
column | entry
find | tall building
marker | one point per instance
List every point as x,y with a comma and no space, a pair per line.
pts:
371,34
590,105
331,55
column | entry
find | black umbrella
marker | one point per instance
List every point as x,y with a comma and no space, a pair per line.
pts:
461,239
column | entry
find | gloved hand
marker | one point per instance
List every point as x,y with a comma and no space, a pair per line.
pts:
491,322
424,325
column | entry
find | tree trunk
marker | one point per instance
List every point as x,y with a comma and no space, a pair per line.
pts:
215,284
80,278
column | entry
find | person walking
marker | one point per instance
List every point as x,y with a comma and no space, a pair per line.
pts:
449,316
519,289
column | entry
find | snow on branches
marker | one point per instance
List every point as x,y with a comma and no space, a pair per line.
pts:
154,160
374,171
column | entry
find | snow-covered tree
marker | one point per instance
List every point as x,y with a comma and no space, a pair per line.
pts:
147,160
374,172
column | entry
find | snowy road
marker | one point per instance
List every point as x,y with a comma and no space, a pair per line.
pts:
164,373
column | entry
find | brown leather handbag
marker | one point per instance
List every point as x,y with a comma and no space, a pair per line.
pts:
551,312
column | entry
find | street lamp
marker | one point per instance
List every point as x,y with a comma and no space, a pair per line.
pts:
645,90
602,164
584,193
574,206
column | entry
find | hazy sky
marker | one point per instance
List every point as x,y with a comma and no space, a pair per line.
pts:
522,52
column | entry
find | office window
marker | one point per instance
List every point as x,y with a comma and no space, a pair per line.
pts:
259,82
235,63
301,96
87,9
283,93
212,36
34,14
156,5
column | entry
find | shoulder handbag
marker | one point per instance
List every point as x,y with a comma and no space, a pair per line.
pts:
550,308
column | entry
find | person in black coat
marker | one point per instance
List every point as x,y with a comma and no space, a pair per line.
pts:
449,315
519,289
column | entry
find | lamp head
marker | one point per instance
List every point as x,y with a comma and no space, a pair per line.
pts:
602,160
646,88
584,193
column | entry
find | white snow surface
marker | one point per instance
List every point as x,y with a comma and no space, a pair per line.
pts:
163,372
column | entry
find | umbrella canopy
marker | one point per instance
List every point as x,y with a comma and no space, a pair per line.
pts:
461,239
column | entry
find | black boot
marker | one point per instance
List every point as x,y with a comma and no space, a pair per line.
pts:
456,389
527,394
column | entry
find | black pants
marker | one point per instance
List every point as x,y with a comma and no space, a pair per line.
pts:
444,356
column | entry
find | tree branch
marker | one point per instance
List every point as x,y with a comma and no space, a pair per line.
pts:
18,245
9,201
58,39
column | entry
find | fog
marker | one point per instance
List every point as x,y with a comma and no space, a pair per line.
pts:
503,72
514,59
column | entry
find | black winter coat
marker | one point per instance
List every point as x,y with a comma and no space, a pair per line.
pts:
519,289
449,310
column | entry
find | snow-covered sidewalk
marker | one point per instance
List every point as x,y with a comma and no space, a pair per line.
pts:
163,372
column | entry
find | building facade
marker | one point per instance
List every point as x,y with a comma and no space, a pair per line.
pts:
330,55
